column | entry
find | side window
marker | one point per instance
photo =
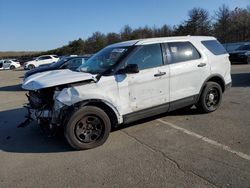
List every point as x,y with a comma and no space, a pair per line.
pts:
146,56
7,61
181,51
214,46
74,63
44,58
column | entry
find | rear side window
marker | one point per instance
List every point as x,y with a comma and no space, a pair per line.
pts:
147,56
181,51
214,46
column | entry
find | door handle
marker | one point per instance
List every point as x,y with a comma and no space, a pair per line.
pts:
159,74
201,65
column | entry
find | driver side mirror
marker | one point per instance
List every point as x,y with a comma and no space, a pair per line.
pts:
130,68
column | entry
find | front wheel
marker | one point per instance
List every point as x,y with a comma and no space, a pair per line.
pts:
210,98
87,127
31,66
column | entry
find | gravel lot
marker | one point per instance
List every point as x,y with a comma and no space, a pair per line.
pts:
178,149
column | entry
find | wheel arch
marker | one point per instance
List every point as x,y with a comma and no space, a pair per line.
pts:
31,64
108,108
213,78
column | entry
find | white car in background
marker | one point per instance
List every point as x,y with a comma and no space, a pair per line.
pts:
9,64
41,60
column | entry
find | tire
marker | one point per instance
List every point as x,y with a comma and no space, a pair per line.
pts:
87,128
210,98
31,66
12,67
248,60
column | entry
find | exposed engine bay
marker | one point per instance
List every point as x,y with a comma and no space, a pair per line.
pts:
41,107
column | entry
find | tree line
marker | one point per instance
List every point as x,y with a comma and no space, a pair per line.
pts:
225,24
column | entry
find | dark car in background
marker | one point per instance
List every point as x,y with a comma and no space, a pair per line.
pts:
241,54
67,62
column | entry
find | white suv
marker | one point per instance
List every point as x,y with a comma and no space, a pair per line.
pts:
128,81
41,60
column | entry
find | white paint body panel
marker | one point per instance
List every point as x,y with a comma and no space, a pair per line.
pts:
144,90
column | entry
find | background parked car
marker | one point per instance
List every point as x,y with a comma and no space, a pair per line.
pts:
41,60
241,54
9,64
67,62
59,59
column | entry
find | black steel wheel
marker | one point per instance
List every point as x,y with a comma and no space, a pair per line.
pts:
210,98
87,127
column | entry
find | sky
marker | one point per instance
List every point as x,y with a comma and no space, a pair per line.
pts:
37,25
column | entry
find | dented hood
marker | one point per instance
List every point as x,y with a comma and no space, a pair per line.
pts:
54,78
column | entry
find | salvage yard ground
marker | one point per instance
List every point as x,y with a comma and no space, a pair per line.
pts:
178,149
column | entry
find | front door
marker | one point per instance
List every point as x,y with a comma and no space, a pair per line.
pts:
6,64
149,87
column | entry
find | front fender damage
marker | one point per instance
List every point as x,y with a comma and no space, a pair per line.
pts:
71,96
62,101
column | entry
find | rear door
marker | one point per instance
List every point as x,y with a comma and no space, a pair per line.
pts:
188,70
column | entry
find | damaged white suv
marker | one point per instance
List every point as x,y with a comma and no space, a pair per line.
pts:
128,81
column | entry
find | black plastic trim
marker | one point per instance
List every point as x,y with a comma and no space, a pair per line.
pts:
134,116
181,103
163,108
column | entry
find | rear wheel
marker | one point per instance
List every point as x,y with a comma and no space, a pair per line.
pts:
87,127
31,67
12,67
210,98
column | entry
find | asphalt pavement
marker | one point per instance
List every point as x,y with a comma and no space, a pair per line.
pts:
179,149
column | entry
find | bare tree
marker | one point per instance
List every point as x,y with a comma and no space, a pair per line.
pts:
222,24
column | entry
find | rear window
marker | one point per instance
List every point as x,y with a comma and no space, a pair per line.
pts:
214,46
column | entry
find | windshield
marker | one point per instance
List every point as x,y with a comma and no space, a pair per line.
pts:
244,47
103,60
